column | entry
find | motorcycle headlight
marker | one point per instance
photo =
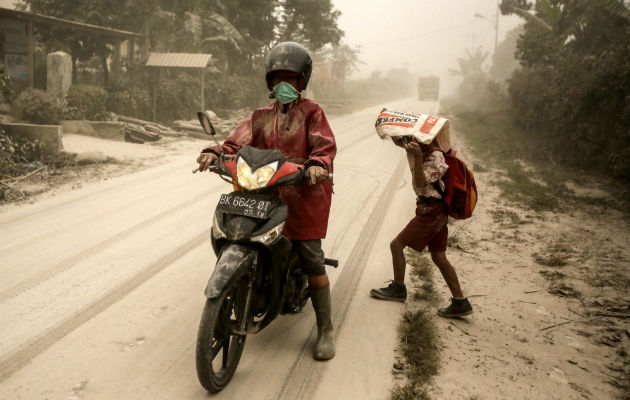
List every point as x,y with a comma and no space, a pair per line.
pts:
270,236
257,179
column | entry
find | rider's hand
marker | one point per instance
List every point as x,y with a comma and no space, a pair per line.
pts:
413,148
205,159
316,174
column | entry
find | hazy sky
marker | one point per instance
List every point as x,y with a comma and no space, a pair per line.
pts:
427,36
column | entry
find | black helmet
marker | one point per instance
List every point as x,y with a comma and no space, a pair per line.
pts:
288,56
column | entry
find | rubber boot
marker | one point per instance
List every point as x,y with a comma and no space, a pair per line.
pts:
325,345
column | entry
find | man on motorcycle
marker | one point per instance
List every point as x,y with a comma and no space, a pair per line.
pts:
299,129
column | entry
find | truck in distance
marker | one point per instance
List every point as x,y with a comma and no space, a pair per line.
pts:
428,88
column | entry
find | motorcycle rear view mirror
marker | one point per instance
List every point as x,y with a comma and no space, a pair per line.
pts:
204,120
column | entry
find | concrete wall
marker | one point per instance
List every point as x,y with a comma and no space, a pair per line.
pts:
99,129
48,135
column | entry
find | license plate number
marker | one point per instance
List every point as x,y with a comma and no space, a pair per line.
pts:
244,205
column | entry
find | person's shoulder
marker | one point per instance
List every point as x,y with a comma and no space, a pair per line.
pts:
435,153
309,104
306,100
269,108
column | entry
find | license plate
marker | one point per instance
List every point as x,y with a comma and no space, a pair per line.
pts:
243,204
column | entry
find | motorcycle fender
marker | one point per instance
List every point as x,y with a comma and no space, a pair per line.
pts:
232,257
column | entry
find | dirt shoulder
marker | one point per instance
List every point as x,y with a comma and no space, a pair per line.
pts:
86,160
550,292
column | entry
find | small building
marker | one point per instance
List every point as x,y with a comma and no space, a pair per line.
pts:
202,62
17,43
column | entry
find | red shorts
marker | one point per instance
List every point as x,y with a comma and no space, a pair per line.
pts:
427,228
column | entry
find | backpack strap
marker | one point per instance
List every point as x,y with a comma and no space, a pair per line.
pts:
437,187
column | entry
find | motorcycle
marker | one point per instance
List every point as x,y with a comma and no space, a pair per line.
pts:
257,276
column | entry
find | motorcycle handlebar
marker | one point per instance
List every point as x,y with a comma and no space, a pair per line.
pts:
308,176
215,164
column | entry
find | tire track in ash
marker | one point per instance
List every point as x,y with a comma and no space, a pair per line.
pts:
19,358
159,171
70,262
361,138
304,375
341,236
140,198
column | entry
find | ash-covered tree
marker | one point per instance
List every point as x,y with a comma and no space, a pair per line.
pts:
313,23
504,62
238,32
574,87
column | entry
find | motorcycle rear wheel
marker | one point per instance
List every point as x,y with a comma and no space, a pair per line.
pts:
219,344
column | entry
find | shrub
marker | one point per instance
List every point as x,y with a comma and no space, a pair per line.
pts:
41,107
574,88
128,99
234,92
6,87
87,102
177,96
14,151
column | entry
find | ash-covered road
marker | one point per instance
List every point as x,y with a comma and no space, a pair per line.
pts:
101,289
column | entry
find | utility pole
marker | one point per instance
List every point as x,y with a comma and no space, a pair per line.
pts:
496,28
496,25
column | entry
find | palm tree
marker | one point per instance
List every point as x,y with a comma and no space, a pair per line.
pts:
472,64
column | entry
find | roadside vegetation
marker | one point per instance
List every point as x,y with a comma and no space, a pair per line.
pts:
551,116
238,35
557,116
535,176
418,347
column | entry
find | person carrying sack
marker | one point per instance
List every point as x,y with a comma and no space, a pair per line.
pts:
429,226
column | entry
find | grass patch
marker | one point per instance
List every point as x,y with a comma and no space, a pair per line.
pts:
453,241
554,255
506,218
421,277
535,176
418,344
418,334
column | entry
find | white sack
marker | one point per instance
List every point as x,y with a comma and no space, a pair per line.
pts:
423,127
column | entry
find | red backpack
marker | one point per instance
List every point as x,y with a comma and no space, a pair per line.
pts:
460,193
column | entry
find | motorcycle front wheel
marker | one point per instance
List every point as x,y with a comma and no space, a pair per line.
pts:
220,343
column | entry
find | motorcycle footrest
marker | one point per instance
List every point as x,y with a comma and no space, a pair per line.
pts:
331,262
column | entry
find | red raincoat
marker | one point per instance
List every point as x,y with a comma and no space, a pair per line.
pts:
302,132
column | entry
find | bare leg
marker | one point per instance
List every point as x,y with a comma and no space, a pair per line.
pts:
398,261
448,273
318,282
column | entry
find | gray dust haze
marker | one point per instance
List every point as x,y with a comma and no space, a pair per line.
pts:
424,36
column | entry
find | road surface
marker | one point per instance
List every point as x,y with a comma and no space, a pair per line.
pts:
101,288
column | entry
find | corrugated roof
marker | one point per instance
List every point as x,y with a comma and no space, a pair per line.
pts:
179,60
45,19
